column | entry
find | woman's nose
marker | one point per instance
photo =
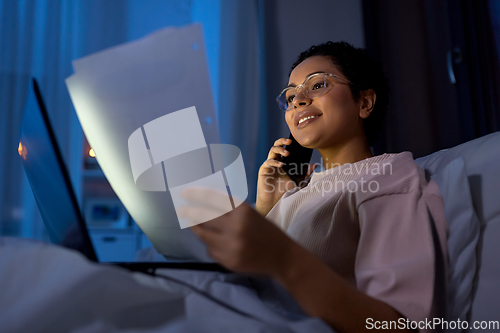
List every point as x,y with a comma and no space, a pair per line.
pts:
301,99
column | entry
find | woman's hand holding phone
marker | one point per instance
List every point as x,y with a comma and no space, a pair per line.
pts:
273,181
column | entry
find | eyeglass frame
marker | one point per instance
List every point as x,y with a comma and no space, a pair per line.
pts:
305,92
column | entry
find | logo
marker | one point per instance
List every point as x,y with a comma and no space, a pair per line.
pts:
170,154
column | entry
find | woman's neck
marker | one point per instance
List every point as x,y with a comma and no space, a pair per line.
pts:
350,152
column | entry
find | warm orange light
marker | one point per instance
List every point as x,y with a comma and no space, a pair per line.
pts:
91,152
22,150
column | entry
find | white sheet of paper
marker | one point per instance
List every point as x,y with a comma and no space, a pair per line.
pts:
118,91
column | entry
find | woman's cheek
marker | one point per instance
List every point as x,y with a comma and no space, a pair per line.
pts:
288,119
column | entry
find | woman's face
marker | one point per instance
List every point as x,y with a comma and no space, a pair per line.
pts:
337,114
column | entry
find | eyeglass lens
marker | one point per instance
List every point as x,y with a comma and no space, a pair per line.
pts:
311,88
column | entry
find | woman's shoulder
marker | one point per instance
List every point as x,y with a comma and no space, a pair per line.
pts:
397,174
380,166
378,175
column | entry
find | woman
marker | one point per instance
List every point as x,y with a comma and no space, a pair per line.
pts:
355,245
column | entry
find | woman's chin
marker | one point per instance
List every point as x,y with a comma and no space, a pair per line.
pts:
307,142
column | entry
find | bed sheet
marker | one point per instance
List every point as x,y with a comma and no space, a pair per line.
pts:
45,288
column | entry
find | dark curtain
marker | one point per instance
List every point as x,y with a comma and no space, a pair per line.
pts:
474,35
442,66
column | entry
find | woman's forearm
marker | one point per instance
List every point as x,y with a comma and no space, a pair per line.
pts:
323,293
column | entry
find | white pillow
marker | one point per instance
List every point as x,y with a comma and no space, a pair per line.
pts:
464,230
482,163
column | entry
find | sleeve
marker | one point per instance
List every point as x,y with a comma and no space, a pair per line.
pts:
395,258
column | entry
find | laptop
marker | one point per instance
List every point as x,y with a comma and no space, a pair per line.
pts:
56,200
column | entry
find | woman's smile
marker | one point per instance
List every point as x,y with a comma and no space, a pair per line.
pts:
304,121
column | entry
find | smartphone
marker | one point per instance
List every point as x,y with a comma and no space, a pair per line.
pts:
296,163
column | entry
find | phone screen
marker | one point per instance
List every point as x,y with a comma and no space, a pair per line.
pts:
297,162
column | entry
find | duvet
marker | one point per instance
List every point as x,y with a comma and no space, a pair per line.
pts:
45,288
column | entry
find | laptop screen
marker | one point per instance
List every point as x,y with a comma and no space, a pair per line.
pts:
49,178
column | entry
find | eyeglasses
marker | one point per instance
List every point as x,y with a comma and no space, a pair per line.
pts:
313,87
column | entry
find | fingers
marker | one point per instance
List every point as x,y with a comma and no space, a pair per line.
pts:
216,200
207,235
205,219
217,240
212,239
278,150
273,159
272,168
273,163
282,142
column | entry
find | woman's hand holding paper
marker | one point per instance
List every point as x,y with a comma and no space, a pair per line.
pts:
241,240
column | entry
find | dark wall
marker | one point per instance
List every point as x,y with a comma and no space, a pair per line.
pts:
417,42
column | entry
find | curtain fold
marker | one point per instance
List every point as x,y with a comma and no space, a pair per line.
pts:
40,39
241,113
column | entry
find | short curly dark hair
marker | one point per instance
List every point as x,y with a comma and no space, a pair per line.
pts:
364,73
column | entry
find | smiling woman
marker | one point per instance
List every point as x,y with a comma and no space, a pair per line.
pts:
359,241
338,123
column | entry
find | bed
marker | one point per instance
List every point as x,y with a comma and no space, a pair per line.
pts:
50,289
46,288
